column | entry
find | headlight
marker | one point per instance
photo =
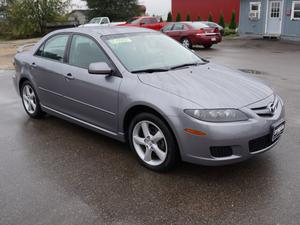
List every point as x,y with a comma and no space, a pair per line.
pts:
217,115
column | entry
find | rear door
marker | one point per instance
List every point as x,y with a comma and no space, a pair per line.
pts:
91,98
177,31
47,69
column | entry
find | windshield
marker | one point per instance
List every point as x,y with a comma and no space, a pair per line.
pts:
95,20
149,51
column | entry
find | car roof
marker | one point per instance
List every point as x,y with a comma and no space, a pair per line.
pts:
105,30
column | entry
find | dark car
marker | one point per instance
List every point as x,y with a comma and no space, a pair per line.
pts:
193,33
214,25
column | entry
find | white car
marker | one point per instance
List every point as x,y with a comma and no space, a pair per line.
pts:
101,21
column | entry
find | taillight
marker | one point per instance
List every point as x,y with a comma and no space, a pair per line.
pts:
216,30
201,32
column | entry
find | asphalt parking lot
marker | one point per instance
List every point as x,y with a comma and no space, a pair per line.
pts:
54,172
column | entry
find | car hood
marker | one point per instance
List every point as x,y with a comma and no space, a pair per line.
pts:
210,86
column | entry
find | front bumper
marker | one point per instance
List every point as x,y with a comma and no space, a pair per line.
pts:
239,137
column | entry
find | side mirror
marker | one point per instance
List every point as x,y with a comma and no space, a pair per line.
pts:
100,68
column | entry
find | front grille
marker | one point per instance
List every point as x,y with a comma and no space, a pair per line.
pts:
260,143
267,110
221,151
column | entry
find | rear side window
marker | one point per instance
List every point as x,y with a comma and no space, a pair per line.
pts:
54,48
145,21
178,26
104,21
85,51
153,20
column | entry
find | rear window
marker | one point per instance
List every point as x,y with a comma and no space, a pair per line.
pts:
198,25
211,25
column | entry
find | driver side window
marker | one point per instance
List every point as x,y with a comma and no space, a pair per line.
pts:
84,51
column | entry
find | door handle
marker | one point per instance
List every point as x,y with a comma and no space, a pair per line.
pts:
69,76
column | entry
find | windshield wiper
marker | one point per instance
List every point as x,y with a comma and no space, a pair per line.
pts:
150,70
186,65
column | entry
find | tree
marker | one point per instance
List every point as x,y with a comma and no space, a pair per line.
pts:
210,18
232,24
221,20
178,17
199,18
28,17
116,10
169,19
161,19
188,17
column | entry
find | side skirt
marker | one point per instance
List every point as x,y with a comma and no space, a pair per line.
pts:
117,136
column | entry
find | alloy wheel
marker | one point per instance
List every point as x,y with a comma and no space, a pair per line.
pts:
150,143
186,43
29,99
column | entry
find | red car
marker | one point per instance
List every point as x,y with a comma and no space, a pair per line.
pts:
193,33
146,22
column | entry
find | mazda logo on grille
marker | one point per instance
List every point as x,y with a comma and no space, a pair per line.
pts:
272,108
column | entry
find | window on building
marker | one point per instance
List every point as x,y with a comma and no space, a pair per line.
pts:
254,13
295,10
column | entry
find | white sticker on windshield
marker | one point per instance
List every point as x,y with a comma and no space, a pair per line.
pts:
118,41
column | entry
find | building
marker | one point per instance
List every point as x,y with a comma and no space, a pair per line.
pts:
272,18
78,16
202,8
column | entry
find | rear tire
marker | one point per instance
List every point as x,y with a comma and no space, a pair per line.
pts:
31,101
186,43
207,46
153,142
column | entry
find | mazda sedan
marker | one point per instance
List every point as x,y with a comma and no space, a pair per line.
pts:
140,86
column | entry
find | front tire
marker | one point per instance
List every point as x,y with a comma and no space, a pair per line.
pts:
153,142
31,101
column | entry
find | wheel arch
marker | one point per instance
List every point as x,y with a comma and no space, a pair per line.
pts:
137,109
21,82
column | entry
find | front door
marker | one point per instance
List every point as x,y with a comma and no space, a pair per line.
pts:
274,18
91,98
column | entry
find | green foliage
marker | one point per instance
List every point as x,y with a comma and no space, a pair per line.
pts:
178,17
199,18
27,18
169,19
210,17
232,24
116,10
229,32
188,17
221,20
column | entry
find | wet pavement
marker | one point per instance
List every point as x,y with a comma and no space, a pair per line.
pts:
54,172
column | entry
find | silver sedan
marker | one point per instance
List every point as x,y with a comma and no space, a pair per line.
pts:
140,86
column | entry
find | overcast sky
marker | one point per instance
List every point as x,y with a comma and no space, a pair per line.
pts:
157,7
